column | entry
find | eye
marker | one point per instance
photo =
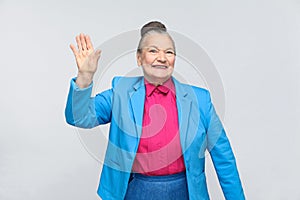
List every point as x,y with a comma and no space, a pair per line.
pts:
153,50
170,52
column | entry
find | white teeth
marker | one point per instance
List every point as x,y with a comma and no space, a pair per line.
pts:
160,66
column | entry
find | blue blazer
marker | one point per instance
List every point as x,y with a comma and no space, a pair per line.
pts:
123,106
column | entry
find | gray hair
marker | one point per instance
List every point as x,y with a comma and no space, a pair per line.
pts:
151,28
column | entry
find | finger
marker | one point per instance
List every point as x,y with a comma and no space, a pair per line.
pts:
98,58
73,48
98,54
82,40
78,43
89,44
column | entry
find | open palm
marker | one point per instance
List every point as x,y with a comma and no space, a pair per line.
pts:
86,57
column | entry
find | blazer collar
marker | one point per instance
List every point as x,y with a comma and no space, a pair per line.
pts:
139,83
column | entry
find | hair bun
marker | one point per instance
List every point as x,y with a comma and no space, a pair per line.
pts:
153,25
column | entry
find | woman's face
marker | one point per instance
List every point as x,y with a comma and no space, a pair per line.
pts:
157,58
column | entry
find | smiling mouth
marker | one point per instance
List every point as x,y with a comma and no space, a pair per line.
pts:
160,66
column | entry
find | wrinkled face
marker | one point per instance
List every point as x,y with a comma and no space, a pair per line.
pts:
157,58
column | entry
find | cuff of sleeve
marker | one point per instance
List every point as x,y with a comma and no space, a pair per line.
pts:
78,89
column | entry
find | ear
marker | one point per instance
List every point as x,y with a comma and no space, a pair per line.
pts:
139,58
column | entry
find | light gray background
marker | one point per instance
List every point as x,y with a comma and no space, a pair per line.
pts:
255,45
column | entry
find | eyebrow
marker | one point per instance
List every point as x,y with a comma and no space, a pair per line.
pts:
159,48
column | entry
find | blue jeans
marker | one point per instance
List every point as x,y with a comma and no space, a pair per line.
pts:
170,187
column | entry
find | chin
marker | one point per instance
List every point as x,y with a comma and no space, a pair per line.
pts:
162,75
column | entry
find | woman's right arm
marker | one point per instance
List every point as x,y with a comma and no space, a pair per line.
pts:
86,60
82,110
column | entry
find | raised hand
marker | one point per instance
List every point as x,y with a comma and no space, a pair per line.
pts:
86,59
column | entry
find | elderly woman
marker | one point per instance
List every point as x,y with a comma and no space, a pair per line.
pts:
159,127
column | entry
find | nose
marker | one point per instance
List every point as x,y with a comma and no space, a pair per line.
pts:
161,56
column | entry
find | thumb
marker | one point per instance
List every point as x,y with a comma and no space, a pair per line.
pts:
97,54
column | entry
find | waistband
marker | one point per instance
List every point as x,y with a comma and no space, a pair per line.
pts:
163,178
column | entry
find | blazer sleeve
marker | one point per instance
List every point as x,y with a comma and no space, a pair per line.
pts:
222,155
85,111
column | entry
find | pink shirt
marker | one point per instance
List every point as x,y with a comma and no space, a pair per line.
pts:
159,151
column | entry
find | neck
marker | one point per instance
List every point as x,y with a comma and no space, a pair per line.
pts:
156,82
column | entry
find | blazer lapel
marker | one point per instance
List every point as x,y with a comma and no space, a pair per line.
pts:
184,103
137,99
